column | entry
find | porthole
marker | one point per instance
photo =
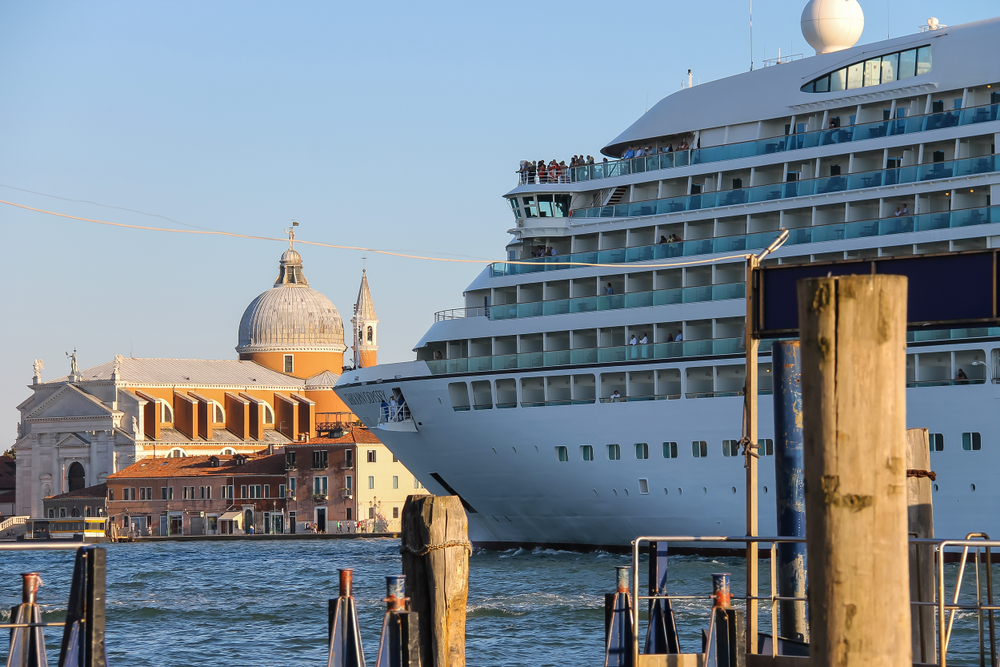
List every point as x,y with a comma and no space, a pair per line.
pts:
734,489
935,487
765,489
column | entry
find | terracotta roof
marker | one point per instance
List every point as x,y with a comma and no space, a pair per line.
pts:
220,435
96,491
201,466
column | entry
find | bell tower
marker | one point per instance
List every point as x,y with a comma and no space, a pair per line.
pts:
365,325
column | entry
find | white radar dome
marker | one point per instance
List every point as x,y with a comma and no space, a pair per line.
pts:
832,25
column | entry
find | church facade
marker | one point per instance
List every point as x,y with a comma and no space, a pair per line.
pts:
77,430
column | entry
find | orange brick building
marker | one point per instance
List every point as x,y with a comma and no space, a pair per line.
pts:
80,430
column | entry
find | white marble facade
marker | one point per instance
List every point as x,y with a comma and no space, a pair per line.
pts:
66,423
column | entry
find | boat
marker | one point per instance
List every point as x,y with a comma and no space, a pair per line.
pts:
589,390
77,529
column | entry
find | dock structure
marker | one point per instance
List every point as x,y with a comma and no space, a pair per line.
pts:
853,335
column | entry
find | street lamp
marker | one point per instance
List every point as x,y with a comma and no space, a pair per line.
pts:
989,376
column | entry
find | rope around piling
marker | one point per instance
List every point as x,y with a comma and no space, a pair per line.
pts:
930,474
434,547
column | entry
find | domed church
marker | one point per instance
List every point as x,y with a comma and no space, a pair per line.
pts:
77,429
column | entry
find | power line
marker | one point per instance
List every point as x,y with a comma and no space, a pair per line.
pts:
390,253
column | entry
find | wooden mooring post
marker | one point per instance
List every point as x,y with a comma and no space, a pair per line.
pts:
435,547
921,524
853,335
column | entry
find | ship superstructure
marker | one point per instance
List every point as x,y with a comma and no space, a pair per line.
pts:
589,389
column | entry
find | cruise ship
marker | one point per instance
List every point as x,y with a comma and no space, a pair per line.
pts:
530,403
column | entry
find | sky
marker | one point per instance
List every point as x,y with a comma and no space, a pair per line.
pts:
386,125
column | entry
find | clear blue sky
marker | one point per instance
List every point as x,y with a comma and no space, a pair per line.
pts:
391,125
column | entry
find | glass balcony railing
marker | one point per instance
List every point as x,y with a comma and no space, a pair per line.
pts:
828,137
586,304
745,242
815,186
592,355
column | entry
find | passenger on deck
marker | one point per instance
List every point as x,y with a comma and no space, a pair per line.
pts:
898,213
663,239
629,153
615,396
542,174
906,209
609,290
531,172
679,337
590,159
670,338
633,340
961,375
438,355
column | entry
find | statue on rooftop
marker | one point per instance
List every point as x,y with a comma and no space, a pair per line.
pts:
74,369
38,367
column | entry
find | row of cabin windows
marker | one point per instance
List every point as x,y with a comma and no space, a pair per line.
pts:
874,71
699,449
971,442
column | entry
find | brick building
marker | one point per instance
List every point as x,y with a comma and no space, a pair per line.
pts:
346,476
201,495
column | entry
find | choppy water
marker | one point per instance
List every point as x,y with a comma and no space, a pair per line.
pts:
265,603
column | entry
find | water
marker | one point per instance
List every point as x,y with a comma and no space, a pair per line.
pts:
255,603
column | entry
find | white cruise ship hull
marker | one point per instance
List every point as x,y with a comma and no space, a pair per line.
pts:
504,465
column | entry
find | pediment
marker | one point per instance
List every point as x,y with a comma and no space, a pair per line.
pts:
73,440
70,401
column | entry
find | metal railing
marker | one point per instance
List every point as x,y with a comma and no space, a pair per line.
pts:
396,413
461,313
838,231
947,611
784,143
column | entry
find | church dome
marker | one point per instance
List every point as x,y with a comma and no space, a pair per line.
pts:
291,316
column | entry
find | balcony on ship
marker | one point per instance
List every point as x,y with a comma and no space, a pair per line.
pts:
395,415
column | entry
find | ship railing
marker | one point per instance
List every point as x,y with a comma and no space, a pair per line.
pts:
757,194
782,143
585,304
461,313
838,231
397,413
976,549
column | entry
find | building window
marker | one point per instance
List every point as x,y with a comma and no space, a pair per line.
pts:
587,452
289,363
395,512
320,485
417,484
349,513
291,485
111,496
145,493
268,413
62,512
166,412
228,451
371,334
972,441
670,450
52,510
176,453
699,449
220,414
765,447
641,450
730,448
267,490
281,490
243,491
562,454
166,493
371,456
395,481
936,441
614,453
320,458
371,481
371,512
394,459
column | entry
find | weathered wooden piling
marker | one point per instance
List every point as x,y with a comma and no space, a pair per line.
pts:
853,335
921,524
435,547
